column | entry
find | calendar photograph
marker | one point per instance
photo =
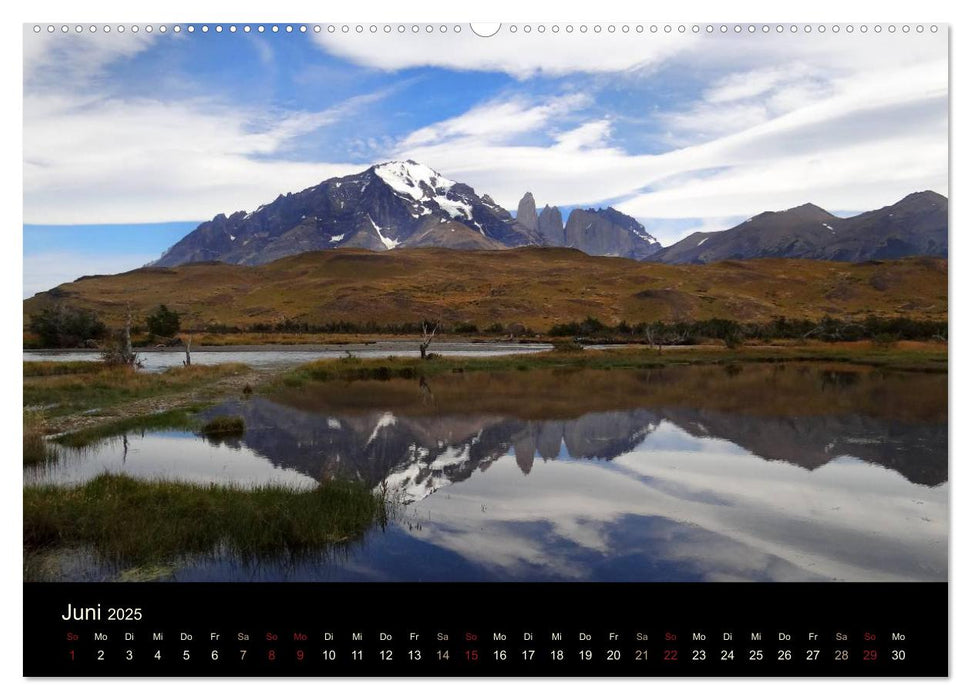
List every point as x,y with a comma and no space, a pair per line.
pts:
612,303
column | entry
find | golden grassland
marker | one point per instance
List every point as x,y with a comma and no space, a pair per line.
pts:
106,386
537,287
904,355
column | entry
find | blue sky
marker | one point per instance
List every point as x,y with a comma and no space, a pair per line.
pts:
131,139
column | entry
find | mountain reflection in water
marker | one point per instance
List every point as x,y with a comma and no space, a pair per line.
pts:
795,472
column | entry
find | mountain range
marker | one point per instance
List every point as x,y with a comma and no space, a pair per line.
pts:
404,204
916,225
418,454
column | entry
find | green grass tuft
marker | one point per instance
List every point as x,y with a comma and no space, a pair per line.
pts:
36,450
53,368
133,522
224,426
183,418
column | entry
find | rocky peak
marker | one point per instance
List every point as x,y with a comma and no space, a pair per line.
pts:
412,179
526,213
550,226
608,232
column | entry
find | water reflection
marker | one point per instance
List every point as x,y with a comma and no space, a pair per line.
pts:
755,473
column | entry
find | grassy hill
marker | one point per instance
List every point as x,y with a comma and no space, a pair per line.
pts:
537,287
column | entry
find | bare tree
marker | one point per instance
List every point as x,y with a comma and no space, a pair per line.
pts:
128,354
188,357
120,351
426,339
652,333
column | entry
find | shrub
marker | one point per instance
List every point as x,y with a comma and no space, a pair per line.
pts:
62,326
163,322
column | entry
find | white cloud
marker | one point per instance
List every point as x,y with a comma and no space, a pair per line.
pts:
740,513
880,136
710,120
856,140
593,134
90,160
496,121
72,57
753,83
849,124
95,157
520,55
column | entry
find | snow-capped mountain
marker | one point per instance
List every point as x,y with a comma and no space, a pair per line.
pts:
416,455
391,205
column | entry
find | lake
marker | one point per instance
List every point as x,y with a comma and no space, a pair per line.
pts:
768,472
260,357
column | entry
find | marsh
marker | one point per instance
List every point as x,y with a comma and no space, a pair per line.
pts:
785,471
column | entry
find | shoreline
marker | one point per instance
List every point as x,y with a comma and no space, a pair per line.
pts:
371,345
84,399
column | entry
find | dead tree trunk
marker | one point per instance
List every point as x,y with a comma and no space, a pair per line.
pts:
653,336
426,339
128,356
425,391
188,357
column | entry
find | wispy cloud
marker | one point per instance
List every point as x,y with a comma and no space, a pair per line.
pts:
771,139
497,120
59,59
131,160
521,55
92,157
734,125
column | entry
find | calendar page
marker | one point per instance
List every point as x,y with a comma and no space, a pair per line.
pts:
436,349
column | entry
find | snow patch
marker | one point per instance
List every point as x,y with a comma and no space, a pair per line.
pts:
333,423
389,243
702,241
414,481
335,239
453,208
232,237
407,178
452,456
830,228
385,421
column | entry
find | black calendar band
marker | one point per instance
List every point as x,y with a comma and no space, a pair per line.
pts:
486,629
